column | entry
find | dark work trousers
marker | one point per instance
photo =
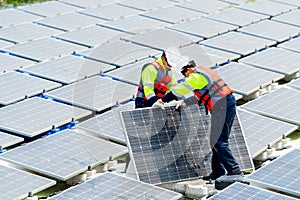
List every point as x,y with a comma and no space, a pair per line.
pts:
223,114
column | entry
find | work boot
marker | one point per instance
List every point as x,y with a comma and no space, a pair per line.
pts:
212,176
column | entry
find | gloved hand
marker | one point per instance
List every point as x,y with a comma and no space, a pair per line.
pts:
179,103
158,104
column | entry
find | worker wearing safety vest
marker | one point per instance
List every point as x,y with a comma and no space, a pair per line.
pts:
211,91
156,79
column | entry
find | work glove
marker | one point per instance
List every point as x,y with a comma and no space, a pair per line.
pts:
179,104
158,104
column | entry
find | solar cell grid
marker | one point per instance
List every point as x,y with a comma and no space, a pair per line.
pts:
243,191
16,86
16,184
36,115
113,186
281,174
63,155
168,145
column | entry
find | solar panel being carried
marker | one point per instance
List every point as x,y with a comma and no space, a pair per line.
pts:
16,184
245,192
37,115
63,155
171,145
282,104
113,186
15,86
96,93
261,131
281,174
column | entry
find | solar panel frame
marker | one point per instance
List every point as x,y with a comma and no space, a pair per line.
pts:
237,17
7,140
281,174
14,16
290,18
269,29
36,115
10,62
260,131
119,53
157,160
15,86
245,79
16,184
243,191
91,36
134,24
275,105
26,32
68,69
291,45
107,125
274,59
44,49
69,21
165,14
209,28
115,186
63,155
95,93
240,43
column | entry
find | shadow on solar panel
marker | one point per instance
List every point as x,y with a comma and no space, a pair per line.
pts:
171,145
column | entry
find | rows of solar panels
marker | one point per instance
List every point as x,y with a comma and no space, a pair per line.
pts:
69,62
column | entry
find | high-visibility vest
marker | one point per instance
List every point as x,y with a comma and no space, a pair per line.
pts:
161,83
215,89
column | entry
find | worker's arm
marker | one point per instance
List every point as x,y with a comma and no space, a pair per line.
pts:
149,75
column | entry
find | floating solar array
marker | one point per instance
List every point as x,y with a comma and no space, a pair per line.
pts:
108,124
69,21
267,7
295,84
161,39
169,145
12,16
16,86
269,29
166,14
92,36
96,93
237,17
10,63
292,45
63,155
240,43
113,186
291,18
134,24
119,53
26,32
44,49
49,9
244,192
245,79
7,140
36,115
16,184
209,28
261,131
206,7
68,69
146,5
276,60
281,174
130,73
282,104
110,12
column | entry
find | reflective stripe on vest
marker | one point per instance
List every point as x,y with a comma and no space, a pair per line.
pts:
161,83
215,90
